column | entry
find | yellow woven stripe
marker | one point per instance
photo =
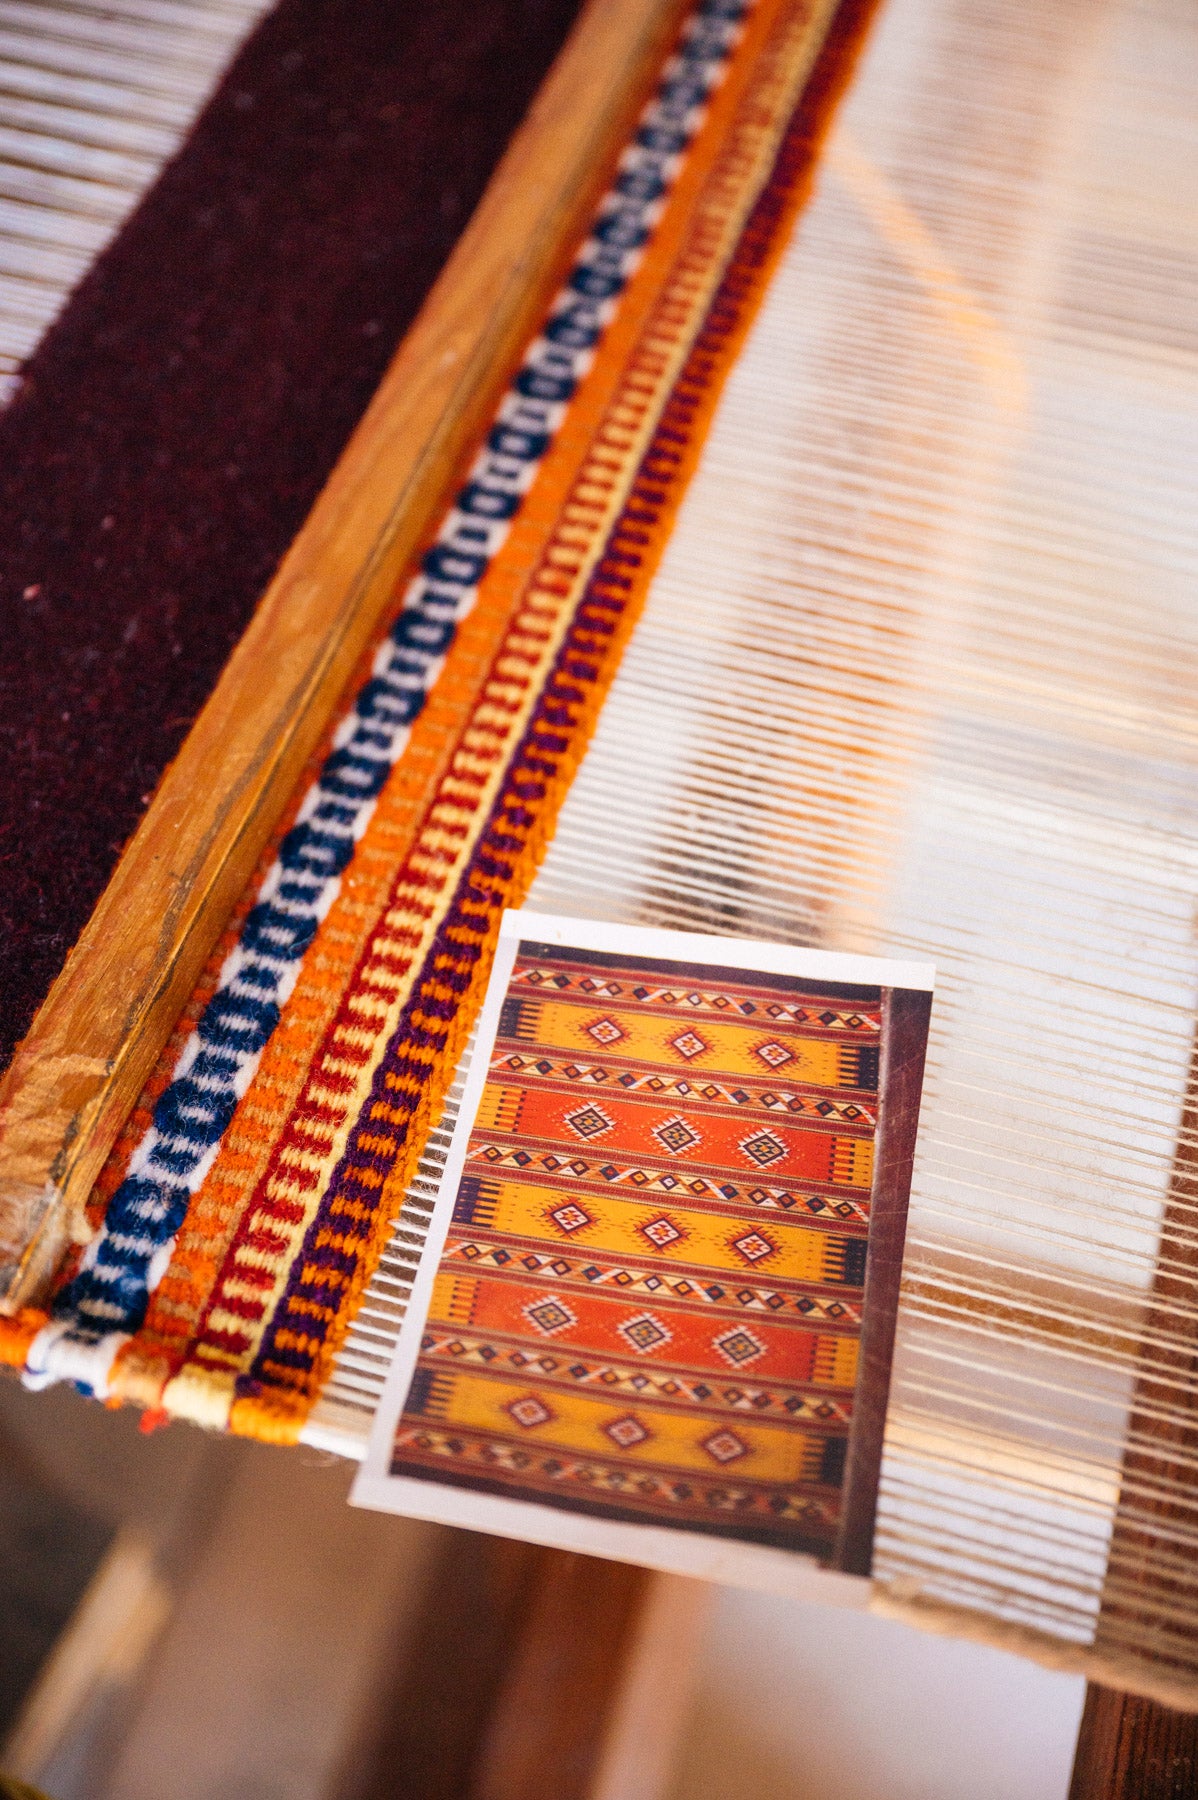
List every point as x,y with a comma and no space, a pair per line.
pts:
676,1440
624,1227
731,1049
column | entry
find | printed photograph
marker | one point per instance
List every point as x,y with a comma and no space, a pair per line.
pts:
660,1286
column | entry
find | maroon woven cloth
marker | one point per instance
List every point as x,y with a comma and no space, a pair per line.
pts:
177,423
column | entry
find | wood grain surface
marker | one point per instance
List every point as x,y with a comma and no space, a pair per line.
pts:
1129,1748
94,1041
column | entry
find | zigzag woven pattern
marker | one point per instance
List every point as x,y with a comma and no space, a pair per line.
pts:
248,1201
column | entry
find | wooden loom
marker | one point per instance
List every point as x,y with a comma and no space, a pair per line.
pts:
83,1064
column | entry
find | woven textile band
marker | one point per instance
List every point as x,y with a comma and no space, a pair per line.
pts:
250,1196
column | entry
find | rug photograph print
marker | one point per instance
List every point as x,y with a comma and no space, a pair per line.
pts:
660,1282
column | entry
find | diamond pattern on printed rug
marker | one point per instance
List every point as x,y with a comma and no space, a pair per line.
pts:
692,1100
763,1148
754,1246
645,1333
627,1432
529,1411
724,1446
675,1136
569,1217
660,1232
549,1315
739,1347
605,1031
589,1122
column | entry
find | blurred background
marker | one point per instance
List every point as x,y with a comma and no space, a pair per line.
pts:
188,1617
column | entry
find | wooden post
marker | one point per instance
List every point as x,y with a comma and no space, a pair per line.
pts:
1133,1749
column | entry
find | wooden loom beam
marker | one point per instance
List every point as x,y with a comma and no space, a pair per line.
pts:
93,1043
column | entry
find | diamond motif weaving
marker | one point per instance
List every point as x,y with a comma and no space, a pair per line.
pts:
589,1123
645,1333
661,1232
724,1446
626,1432
605,1031
549,1315
753,1246
530,1412
676,1135
739,1347
763,1149
570,1218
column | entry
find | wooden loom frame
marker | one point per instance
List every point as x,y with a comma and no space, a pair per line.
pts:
77,1075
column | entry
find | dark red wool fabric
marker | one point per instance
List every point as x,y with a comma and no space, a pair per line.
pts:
178,422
